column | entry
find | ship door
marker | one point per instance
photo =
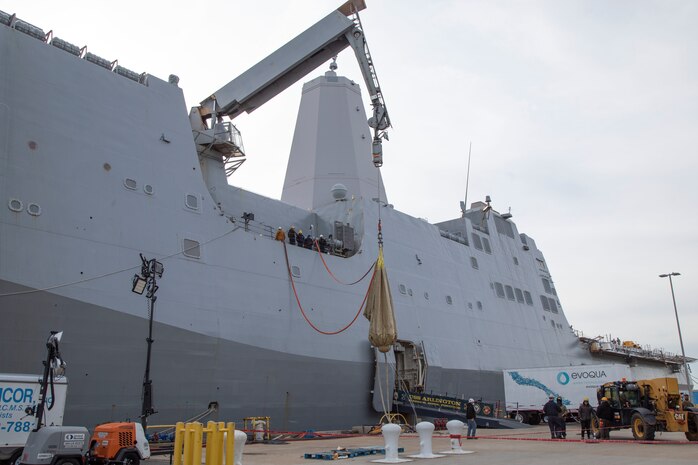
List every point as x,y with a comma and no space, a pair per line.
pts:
410,366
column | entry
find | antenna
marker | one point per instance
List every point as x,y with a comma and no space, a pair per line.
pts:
467,179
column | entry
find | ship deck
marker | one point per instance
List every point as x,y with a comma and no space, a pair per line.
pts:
494,447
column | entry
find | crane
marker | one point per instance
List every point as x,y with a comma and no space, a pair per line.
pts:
325,39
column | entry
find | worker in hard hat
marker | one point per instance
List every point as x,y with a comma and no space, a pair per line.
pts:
552,413
300,238
605,414
470,418
280,234
585,411
292,235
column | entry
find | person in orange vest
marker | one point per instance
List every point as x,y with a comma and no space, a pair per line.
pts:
280,235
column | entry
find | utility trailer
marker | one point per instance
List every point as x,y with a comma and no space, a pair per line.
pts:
19,392
527,390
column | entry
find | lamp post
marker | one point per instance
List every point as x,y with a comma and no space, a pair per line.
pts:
678,325
147,280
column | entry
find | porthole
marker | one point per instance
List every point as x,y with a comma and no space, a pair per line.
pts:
479,305
192,202
130,184
15,205
296,271
33,209
449,300
191,248
148,189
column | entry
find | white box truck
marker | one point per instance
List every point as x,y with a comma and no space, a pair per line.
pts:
17,393
527,390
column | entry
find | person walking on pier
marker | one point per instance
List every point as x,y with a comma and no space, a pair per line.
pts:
470,418
552,411
585,411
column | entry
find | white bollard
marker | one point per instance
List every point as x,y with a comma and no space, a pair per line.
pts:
240,439
259,431
425,431
455,432
391,434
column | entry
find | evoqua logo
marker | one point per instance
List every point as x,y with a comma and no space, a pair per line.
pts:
563,378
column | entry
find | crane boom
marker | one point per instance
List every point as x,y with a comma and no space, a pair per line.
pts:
278,71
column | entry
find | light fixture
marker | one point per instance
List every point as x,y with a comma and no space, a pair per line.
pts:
139,284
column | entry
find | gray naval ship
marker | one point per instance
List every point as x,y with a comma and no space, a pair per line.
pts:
99,164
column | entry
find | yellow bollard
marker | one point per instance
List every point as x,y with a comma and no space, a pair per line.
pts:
179,442
188,443
230,444
216,445
209,430
198,433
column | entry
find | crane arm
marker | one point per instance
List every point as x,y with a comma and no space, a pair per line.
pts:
284,67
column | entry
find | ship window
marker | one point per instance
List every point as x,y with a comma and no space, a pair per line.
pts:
544,301
409,292
519,295
473,262
486,244
499,289
33,209
529,299
553,305
546,286
541,264
477,242
191,248
552,323
192,202
516,261
296,271
15,205
426,295
402,289
510,292
148,189
479,305
130,183
449,300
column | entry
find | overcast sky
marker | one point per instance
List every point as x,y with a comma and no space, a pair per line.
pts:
583,117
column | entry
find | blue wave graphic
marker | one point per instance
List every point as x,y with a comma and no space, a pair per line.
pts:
523,381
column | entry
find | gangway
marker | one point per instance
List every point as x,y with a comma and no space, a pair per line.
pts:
452,408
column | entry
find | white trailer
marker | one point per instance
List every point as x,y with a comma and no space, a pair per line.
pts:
527,390
17,394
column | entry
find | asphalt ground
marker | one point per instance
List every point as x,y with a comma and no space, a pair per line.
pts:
493,447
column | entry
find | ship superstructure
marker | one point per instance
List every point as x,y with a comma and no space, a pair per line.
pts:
117,167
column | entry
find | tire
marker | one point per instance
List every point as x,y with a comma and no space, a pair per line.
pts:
691,436
521,417
534,419
131,458
641,430
16,458
594,426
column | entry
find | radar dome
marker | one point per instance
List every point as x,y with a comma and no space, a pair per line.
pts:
339,191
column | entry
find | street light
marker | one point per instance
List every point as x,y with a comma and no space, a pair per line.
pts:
678,325
147,280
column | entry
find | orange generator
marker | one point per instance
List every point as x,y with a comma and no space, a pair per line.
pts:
123,443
